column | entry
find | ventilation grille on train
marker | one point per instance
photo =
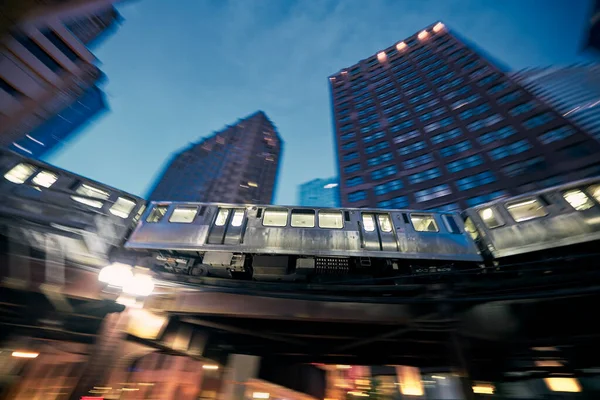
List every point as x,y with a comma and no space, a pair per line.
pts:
332,265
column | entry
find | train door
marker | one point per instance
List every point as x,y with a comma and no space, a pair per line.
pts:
377,232
228,226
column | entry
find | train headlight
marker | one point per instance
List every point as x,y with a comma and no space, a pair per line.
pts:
139,285
116,274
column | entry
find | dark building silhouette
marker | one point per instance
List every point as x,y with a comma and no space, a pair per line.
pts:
237,165
430,123
593,35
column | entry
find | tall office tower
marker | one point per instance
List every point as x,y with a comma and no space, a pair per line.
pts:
46,68
574,91
429,123
235,165
319,193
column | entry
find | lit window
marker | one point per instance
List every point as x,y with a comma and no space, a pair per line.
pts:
139,213
303,218
422,35
368,222
122,207
238,218
471,228
490,218
90,191
526,210
424,222
45,179
385,223
20,173
275,217
438,27
563,384
330,219
184,215
578,200
595,192
222,217
400,46
158,212
381,56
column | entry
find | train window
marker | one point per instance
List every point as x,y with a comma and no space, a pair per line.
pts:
184,215
19,173
238,218
45,179
139,213
330,219
526,210
90,191
222,216
424,222
368,222
578,200
594,190
275,217
303,218
471,228
158,212
451,224
122,207
385,223
490,218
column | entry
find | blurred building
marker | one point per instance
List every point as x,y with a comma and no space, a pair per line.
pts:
319,193
46,69
237,164
574,91
593,36
429,123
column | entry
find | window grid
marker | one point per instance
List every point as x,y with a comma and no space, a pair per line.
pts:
473,181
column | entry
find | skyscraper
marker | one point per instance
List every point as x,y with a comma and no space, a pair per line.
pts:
235,165
429,123
45,67
574,91
319,193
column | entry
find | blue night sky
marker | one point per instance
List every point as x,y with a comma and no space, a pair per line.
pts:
178,71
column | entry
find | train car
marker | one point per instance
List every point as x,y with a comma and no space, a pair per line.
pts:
562,221
90,218
295,243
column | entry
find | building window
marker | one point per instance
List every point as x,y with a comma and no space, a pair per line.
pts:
480,179
386,94
396,202
449,135
403,125
474,111
39,53
498,88
349,145
364,103
435,113
479,73
527,166
464,163
439,124
393,108
574,151
400,115
523,108
357,180
183,215
345,128
357,196
371,127
388,187
424,176
427,104
500,134
456,93
376,147
384,87
526,210
368,119
391,100
417,161
383,172
484,198
488,79
509,98
463,102
348,136
556,134
483,123
432,193
352,168
412,148
420,97
302,218
8,88
380,160
350,156
455,148
424,222
375,136
510,149
446,208
406,136
538,120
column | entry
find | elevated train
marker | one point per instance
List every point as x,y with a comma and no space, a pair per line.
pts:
274,243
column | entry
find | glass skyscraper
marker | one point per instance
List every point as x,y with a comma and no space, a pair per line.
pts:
430,123
319,193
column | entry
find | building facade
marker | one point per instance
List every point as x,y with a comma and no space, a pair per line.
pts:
319,193
46,68
238,164
574,91
593,35
428,123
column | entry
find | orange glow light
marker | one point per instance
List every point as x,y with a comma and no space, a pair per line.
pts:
400,46
438,27
548,363
483,389
343,366
422,35
24,354
381,56
570,385
410,381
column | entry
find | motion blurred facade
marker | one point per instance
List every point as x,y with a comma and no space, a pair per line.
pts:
574,91
429,123
319,193
593,36
238,164
46,69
